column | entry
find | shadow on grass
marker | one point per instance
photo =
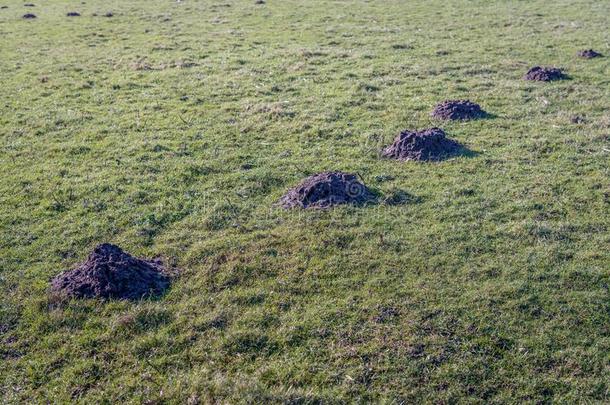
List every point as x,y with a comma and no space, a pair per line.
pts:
487,116
400,197
461,151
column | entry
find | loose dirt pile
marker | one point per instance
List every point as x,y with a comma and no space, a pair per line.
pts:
544,74
458,110
429,144
28,16
327,189
109,272
589,54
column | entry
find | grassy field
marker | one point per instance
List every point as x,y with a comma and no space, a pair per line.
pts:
172,129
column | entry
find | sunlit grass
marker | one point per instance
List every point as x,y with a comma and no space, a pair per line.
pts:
172,129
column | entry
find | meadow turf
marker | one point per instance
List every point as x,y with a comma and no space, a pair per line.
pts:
172,129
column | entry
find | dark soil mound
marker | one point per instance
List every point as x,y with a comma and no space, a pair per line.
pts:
458,110
73,14
111,273
28,16
589,54
577,119
543,74
429,144
324,190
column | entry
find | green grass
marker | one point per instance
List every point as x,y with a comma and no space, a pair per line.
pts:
490,286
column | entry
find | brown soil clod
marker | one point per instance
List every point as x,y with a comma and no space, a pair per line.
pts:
386,314
327,189
428,144
109,272
458,110
589,54
72,14
544,74
29,16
